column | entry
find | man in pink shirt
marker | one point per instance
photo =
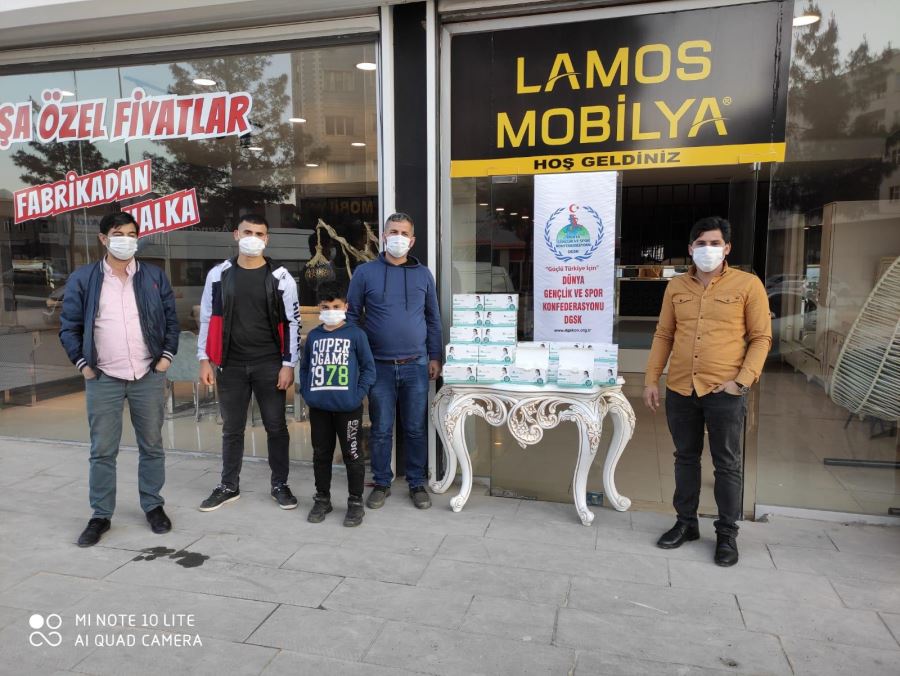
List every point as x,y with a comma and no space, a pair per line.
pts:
120,329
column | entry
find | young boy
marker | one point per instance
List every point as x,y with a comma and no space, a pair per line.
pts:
336,372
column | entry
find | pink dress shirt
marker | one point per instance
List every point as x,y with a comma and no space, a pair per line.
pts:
121,349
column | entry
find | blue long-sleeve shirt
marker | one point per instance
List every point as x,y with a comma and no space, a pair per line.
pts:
337,369
402,318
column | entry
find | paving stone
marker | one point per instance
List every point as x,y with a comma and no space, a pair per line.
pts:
508,618
218,617
48,592
490,580
288,663
592,663
817,658
239,659
248,549
697,606
319,632
434,651
556,559
546,532
862,594
892,620
837,564
832,625
350,562
813,590
439,608
665,640
235,580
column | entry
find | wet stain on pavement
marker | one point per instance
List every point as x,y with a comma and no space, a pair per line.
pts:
182,557
151,553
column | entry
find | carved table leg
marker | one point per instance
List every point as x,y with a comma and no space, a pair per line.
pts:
623,428
456,426
588,441
439,417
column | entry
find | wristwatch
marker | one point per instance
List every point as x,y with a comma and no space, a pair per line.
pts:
743,388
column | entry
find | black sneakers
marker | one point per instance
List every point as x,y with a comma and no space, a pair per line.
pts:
281,493
159,522
220,496
91,535
419,497
377,497
321,507
355,512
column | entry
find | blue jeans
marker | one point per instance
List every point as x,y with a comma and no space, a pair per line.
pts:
146,402
404,386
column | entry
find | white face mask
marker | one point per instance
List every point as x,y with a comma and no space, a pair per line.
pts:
251,246
332,317
397,245
708,258
122,247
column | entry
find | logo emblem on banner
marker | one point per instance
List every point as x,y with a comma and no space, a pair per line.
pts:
568,234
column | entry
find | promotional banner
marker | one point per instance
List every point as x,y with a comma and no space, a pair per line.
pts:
690,88
574,256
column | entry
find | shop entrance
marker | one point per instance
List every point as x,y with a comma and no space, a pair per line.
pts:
492,243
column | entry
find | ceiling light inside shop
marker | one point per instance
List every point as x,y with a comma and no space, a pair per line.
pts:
254,148
311,164
513,213
524,218
499,209
66,92
366,65
806,19
297,120
482,204
358,144
204,82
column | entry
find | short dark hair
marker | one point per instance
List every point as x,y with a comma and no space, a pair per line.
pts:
399,217
253,219
116,220
711,223
329,291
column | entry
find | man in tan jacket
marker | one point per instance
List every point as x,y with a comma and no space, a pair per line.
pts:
715,331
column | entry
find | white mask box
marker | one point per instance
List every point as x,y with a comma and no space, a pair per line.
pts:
460,374
465,335
461,352
496,354
498,335
529,376
489,374
498,318
468,301
579,377
502,301
469,317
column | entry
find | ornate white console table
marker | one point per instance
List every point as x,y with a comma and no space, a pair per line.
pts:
527,411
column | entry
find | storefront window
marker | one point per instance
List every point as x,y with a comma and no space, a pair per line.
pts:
833,235
309,152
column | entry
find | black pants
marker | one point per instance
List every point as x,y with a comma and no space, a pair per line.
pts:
345,425
235,383
722,414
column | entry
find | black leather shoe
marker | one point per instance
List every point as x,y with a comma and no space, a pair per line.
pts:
726,550
91,535
159,522
678,535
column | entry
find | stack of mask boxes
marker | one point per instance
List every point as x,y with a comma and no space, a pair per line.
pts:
482,344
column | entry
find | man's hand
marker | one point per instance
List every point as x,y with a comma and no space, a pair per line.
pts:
207,375
434,369
88,373
163,365
730,387
651,397
285,377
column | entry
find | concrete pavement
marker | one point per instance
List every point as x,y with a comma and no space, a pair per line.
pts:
504,587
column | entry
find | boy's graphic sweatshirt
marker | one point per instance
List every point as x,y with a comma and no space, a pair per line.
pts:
337,369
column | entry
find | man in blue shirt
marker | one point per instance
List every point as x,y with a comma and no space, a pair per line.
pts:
403,323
